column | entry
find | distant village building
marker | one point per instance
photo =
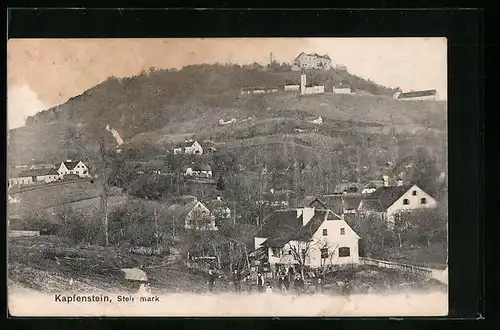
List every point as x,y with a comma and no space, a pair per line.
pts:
342,89
202,171
417,95
292,86
388,203
190,213
34,176
220,209
311,61
309,88
189,147
319,234
70,167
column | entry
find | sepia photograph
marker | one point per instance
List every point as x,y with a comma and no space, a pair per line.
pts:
227,177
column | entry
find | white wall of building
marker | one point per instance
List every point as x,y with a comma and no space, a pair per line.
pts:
414,198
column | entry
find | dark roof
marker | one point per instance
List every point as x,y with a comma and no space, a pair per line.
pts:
372,205
37,172
70,165
333,202
388,195
339,203
284,226
430,92
280,221
351,187
374,184
201,168
185,144
179,211
309,201
351,202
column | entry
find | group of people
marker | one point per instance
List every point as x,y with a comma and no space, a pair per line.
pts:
286,277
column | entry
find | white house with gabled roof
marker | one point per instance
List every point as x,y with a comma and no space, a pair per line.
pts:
319,234
73,167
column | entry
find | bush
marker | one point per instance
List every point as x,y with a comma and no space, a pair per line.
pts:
79,227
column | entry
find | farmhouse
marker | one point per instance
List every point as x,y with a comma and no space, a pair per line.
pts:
190,213
342,89
388,203
34,176
417,96
292,85
319,235
189,147
311,61
203,171
72,167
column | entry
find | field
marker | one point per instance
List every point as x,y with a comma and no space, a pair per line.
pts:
52,195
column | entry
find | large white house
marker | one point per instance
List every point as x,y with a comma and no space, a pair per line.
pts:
311,61
390,202
189,147
319,235
73,167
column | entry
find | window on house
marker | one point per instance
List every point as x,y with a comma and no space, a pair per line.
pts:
423,201
414,193
344,252
324,253
276,252
325,232
342,231
406,201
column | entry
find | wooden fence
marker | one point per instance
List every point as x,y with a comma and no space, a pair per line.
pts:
395,265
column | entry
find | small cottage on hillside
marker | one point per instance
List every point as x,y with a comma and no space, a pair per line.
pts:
189,147
318,236
190,213
73,167
388,203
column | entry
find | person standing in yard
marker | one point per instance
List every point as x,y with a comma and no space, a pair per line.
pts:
319,285
286,283
237,280
260,282
211,280
298,284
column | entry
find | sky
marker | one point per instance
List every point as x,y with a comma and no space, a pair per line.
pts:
42,73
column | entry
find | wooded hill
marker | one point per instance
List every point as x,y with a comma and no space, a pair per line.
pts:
153,111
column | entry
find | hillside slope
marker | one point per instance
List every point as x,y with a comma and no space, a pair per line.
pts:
155,110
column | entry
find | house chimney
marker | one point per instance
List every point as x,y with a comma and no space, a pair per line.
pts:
307,214
386,180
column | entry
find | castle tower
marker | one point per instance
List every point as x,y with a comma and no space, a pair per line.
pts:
302,83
